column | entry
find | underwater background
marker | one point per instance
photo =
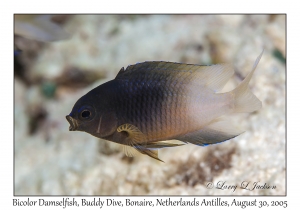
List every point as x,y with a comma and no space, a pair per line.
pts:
50,77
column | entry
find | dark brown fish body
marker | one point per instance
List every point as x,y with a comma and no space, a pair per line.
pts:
152,102
159,106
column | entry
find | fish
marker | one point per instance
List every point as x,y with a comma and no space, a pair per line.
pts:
39,28
150,104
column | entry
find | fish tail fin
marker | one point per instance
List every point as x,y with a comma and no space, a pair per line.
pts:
244,99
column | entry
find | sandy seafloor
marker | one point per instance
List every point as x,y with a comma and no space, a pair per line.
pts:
50,160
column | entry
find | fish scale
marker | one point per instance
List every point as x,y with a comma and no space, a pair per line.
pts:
172,104
149,103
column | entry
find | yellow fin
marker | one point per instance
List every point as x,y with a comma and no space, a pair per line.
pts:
161,144
135,136
150,153
129,151
136,141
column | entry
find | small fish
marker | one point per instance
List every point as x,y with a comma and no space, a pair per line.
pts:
38,27
149,104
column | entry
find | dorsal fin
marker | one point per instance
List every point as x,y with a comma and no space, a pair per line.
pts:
120,72
213,77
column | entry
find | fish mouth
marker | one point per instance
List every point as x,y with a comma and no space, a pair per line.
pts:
73,123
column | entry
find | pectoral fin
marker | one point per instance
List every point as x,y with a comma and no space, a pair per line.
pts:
135,136
136,141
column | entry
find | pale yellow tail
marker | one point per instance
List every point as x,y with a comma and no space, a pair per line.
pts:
245,100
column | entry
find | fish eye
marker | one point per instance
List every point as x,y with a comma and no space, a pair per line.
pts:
86,113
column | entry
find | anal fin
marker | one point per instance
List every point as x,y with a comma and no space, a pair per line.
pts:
161,144
218,131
